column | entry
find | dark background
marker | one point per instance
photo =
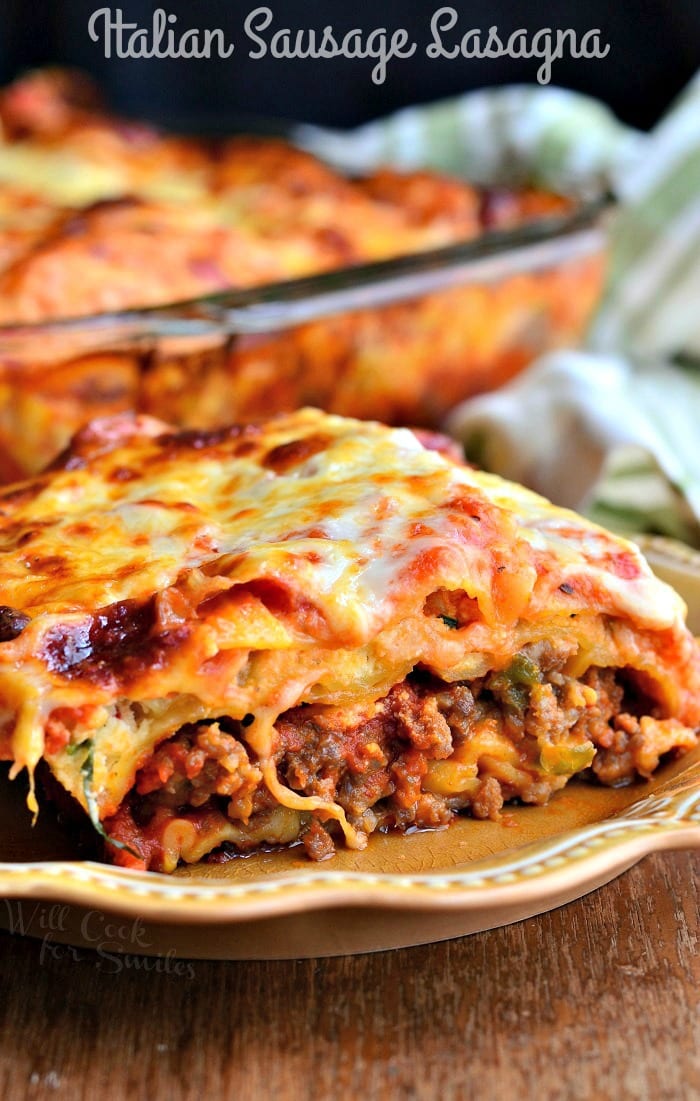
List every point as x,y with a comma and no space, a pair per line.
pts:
655,48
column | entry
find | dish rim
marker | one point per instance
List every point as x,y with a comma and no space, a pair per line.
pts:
493,255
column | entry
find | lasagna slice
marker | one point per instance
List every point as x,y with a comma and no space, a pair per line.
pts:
314,628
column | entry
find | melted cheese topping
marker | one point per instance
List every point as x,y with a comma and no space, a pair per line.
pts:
284,563
343,510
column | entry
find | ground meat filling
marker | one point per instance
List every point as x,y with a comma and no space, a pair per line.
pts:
200,762
423,753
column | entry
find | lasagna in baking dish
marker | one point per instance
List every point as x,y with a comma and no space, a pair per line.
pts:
314,628
102,215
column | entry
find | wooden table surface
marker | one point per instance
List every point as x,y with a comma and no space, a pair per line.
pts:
596,1000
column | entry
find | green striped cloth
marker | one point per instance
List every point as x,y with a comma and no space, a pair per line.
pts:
622,442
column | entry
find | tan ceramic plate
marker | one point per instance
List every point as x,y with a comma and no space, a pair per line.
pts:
403,890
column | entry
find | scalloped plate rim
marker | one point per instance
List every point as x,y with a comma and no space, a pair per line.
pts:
533,874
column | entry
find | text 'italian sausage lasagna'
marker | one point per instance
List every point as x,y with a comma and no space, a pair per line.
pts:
315,628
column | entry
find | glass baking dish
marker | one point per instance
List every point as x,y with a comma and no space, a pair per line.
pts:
399,340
